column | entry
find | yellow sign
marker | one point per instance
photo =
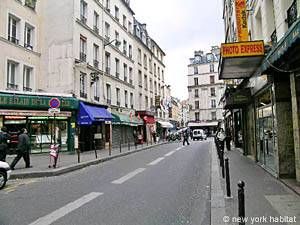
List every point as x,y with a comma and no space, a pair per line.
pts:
238,49
241,20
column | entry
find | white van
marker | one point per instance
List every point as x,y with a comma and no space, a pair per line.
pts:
199,134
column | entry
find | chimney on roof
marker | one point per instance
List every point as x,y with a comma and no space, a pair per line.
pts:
198,53
144,26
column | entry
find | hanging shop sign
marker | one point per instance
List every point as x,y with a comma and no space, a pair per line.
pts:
241,20
242,49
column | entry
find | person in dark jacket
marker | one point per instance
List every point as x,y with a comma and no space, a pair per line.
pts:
23,149
4,140
186,137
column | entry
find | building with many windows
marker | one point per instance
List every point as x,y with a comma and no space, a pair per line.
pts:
205,90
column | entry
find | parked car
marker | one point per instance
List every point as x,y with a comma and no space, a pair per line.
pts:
199,134
5,172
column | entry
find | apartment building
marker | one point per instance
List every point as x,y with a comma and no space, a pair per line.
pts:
205,90
261,111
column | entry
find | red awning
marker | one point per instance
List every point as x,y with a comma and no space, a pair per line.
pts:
149,119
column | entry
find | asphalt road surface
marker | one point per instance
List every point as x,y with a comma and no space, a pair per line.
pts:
167,185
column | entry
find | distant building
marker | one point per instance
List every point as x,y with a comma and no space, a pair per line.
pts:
205,90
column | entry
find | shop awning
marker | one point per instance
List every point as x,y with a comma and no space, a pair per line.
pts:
287,42
165,124
203,124
89,114
128,120
241,59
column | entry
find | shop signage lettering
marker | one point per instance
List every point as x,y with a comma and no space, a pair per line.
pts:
240,49
241,20
35,102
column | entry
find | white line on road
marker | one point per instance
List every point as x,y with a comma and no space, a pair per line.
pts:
128,176
170,153
59,213
177,149
155,161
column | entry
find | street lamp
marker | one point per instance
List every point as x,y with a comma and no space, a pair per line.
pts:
118,43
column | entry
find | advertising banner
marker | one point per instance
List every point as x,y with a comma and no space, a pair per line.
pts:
241,20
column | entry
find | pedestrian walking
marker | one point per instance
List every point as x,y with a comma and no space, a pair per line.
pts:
221,138
186,137
228,139
23,149
4,140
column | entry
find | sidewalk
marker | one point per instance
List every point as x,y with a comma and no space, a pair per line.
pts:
68,162
266,198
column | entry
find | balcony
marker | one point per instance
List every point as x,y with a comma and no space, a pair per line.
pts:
108,101
96,63
96,98
83,19
107,70
30,3
27,89
28,46
274,38
117,75
292,14
12,86
83,94
96,29
82,56
13,40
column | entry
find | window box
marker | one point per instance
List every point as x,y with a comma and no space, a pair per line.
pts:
96,98
12,86
27,89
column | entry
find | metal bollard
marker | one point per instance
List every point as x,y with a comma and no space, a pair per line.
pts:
135,144
120,145
227,177
95,150
222,163
241,201
128,145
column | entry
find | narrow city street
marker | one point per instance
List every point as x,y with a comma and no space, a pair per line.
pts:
169,184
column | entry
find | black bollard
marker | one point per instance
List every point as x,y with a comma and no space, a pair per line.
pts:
135,144
128,145
222,163
227,177
120,145
241,200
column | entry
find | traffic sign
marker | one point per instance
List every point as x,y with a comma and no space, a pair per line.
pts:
53,110
54,103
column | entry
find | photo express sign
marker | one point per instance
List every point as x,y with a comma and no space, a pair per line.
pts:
242,49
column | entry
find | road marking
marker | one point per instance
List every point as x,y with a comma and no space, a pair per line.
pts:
156,161
61,212
177,149
128,176
170,153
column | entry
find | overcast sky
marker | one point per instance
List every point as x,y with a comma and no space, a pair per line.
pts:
180,27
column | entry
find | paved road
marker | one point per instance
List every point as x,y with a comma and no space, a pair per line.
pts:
167,185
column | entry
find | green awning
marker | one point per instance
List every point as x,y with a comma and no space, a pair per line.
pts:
287,42
128,120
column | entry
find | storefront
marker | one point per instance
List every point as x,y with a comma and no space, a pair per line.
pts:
19,111
162,128
125,128
148,131
94,129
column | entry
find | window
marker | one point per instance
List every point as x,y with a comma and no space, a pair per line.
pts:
196,81
130,51
82,48
195,70
145,61
97,90
117,36
96,22
108,94
158,72
196,104
154,69
117,13
118,96
107,62
30,3
213,116
12,75
13,26
107,5
107,31
197,116
213,103
139,56
126,98
27,76
155,88
162,75
211,67
150,65
140,100
28,36
96,56
83,93
117,67
145,82
212,91
129,27
83,11
196,93
124,22
212,79
125,72
140,79
146,102
130,75
125,47
131,100
151,84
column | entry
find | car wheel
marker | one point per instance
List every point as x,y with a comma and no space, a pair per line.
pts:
3,179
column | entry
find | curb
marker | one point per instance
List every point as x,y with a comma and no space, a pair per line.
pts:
71,168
